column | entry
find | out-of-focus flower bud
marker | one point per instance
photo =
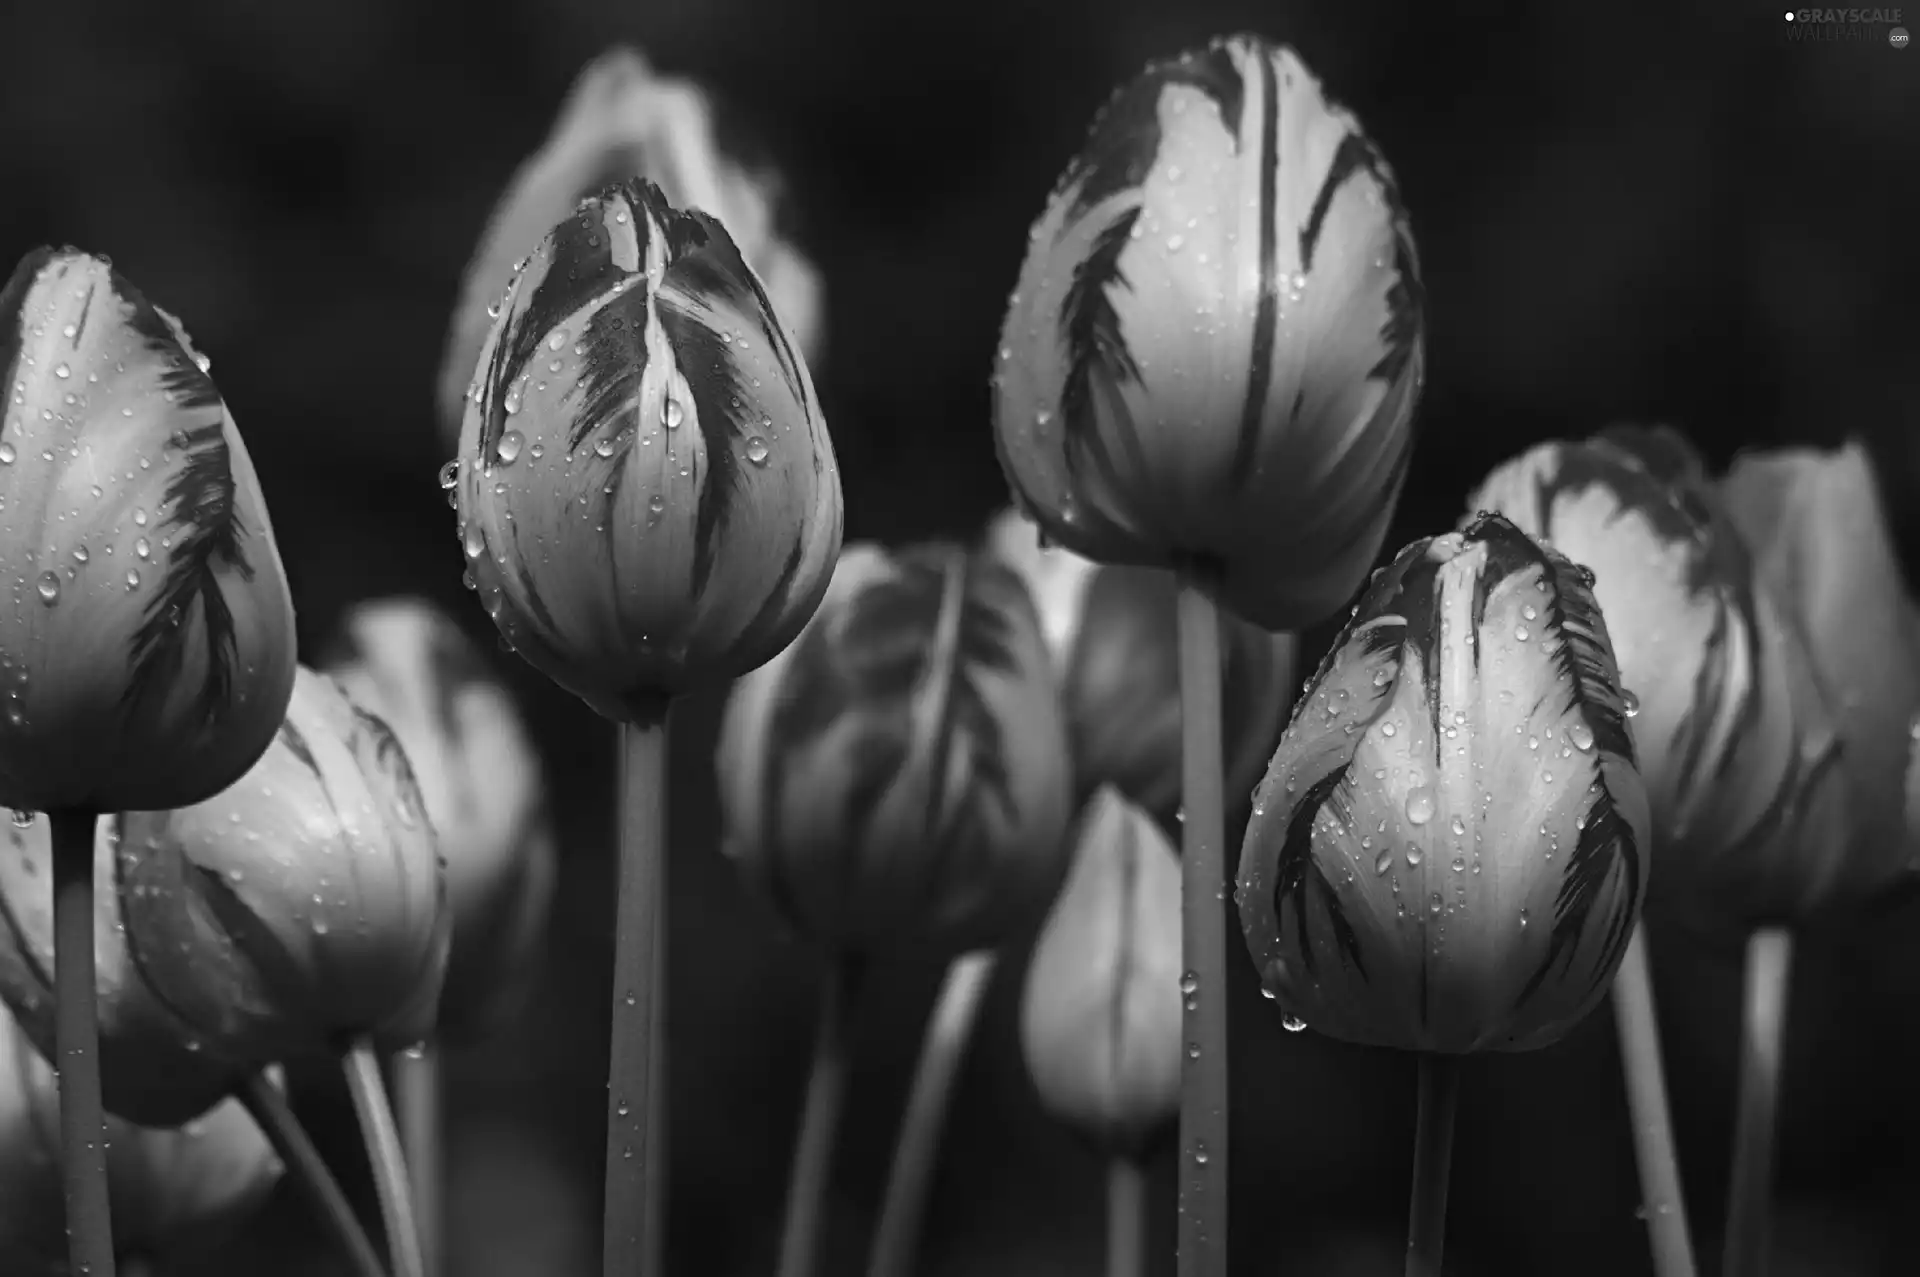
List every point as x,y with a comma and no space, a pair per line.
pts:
304,905
1822,548
1212,357
647,494
1100,1019
154,1068
625,120
481,782
897,780
1116,652
1449,850
147,651
176,1192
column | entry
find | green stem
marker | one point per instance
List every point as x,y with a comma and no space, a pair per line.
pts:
76,1033
1763,1035
310,1170
636,1163
916,1153
1203,942
819,1121
1126,1218
417,1105
1432,1164
389,1165
1639,1027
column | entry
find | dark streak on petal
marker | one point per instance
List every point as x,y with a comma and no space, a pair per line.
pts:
180,376
80,324
703,262
296,744
1296,867
254,942
773,609
724,409
1124,140
1266,315
1352,156
615,337
1090,325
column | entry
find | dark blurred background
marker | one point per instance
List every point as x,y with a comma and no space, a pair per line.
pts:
1665,214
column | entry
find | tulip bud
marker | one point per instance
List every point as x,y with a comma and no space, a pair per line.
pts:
624,120
1116,653
1100,1020
1448,852
154,1068
647,493
1213,354
147,653
897,780
176,1192
1732,729
480,780
302,906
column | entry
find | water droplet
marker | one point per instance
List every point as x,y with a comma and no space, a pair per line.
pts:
1459,827
1387,728
1175,243
1528,613
1630,703
62,372
1420,805
1193,1050
1189,983
509,447
139,516
1200,1154
657,503
49,588
558,340
1383,861
603,447
757,450
1435,903
81,554
22,819
670,414
450,475
1414,854
133,579
474,542
1459,864
621,1109
143,548
7,454
1292,1023
1582,737
1522,633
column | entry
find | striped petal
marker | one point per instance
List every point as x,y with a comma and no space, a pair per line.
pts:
1215,347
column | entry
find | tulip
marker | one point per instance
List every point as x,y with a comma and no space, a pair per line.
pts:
1448,851
481,784
1100,1019
304,906
1112,634
1213,353
175,1191
647,493
622,120
155,1068
896,781
148,651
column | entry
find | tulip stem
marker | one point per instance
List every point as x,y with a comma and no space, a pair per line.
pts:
416,1101
309,1169
1203,942
1763,1034
382,1137
1432,1163
76,1033
632,1237
916,1153
1639,1027
1126,1218
820,1120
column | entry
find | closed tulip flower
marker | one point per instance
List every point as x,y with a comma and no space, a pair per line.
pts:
1448,853
147,654
647,493
1213,353
305,905
176,1192
623,119
1100,1019
481,783
1116,653
155,1068
1734,732
897,780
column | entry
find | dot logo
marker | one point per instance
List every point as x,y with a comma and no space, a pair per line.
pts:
1897,37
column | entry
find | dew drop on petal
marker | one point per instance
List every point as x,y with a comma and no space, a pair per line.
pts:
1383,862
133,578
1459,827
1630,703
62,372
1582,737
22,819
1387,728
670,414
557,340
7,454
1414,855
1292,1024
473,541
757,450
143,548
450,475
81,554
1189,983
1420,805
509,447
603,447
139,516
49,588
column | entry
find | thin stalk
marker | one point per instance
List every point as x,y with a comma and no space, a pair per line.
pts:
310,1170
1763,1035
76,1034
1432,1164
820,1121
1126,1218
1639,1026
417,1105
917,1151
636,1169
382,1136
1203,942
